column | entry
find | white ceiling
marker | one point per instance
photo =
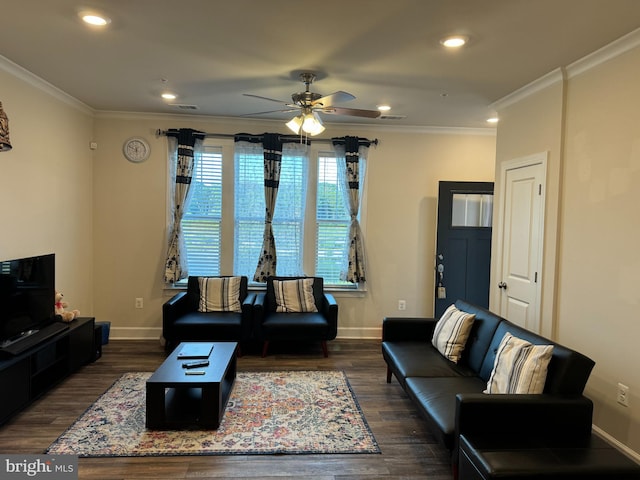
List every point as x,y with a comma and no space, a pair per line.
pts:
382,51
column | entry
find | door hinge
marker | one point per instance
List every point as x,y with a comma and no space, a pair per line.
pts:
539,189
535,278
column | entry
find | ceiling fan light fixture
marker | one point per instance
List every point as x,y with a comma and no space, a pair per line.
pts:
295,124
312,124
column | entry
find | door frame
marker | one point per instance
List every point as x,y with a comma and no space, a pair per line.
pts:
495,301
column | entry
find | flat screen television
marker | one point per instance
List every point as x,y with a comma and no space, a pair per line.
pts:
27,296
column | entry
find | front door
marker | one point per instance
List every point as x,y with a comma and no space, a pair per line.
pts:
463,245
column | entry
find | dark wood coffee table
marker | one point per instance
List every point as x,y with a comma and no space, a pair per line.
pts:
176,399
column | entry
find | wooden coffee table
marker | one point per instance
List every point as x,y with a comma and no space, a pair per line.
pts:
176,399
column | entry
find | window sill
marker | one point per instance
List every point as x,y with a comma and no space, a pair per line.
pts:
335,291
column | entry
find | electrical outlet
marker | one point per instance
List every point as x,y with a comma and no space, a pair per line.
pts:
402,304
139,302
623,395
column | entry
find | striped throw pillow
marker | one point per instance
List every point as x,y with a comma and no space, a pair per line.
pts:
294,295
519,367
219,294
451,332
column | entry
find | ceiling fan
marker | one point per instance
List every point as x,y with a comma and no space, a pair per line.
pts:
309,104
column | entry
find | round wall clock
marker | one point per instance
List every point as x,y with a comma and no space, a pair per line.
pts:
136,149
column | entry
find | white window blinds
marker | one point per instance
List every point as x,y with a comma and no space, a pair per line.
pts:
201,221
332,217
288,221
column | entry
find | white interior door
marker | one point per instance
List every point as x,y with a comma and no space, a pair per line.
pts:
522,240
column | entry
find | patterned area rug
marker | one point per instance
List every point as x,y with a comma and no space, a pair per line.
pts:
295,412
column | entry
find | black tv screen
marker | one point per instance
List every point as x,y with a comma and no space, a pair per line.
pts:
27,295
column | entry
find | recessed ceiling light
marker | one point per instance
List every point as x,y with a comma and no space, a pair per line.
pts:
493,120
94,18
169,96
454,41
384,108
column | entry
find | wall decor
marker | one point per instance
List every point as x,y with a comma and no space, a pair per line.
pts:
136,149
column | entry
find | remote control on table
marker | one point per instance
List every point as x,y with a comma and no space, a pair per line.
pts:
195,363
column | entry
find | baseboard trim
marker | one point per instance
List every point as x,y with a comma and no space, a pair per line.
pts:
155,333
635,456
135,333
360,333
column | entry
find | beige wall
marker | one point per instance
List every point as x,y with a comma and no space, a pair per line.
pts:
47,182
399,218
599,290
589,124
529,126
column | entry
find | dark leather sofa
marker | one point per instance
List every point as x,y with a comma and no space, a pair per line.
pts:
444,392
270,325
182,322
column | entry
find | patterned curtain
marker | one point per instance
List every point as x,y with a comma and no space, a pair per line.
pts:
353,148
184,146
272,151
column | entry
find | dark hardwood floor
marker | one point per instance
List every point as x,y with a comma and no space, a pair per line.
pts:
408,449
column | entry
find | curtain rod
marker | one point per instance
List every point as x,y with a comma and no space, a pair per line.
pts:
161,132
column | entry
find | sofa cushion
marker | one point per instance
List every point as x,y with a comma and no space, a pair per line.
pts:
420,359
213,326
219,294
481,336
295,326
520,367
436,401
451,332
294,296
536,457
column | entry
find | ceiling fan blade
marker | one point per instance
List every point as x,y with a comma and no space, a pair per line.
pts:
332,98
354,112
265,98
286,110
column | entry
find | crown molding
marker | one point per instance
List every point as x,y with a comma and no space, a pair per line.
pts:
551,78
616,48
409,129
610,51
26,76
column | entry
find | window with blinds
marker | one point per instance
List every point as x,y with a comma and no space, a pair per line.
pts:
201,223
288,220
333,220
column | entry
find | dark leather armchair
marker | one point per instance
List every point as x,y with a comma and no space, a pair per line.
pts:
182,322
270,325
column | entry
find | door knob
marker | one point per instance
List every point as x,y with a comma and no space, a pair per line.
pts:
502,285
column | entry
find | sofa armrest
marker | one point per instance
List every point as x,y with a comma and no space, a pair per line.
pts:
173,308
247,304
330,312
260,298
396,329
523,414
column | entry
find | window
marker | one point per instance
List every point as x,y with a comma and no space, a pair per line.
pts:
471,210
223,239
201,223
332,219
288,220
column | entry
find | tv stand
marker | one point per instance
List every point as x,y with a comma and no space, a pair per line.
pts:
39,361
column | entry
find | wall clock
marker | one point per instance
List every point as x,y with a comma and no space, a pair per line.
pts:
136,149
